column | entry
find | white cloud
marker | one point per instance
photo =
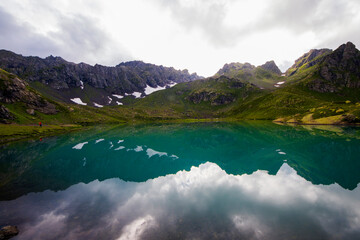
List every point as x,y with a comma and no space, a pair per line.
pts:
200,35
254,206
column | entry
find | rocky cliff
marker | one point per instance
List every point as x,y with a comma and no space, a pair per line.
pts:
15,90
338,70
124,78
309,59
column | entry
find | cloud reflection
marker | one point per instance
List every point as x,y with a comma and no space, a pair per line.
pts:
203,203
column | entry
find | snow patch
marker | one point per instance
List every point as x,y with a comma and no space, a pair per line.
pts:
279,83
118,96
97,105
136,94
119,103
81,84
149,90
110,100
78,101
79,146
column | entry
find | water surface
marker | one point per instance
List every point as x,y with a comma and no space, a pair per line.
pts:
253,180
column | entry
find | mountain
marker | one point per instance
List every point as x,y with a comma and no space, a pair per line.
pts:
265,76
206,98
307,60
322,87
62,80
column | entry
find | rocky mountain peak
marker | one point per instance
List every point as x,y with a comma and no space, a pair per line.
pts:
235,66
271,66
339,70
309,59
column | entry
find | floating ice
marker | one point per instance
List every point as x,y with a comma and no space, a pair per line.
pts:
120,141
282,153
78,101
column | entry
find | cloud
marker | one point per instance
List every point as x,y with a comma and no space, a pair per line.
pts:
202,203
75,37
21,37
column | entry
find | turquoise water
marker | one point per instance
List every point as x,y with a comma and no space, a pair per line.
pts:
252,180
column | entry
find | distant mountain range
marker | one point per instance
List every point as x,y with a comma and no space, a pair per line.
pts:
62,80
322,87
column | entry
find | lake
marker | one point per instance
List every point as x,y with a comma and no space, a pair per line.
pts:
249,180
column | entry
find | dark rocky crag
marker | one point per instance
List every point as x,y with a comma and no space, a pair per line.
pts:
338,70
272,67
14,90
59,74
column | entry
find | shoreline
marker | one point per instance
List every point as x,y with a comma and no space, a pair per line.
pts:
17,132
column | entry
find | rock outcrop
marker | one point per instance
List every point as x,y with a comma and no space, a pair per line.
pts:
272,67
13,89
215,98
8,232
339,70
307,60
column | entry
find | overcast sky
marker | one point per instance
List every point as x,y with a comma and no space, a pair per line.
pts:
199,35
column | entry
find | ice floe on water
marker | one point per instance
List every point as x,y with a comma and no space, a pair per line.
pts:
120,141
78,101
79,146
99,140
